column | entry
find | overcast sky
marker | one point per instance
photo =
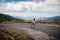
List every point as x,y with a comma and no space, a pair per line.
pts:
30,8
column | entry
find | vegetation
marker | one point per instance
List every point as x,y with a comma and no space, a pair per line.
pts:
57,23
9,34
4,18
7,18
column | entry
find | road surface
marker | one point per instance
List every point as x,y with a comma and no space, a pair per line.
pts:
50,30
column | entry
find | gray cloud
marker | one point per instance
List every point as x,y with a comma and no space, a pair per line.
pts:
47,5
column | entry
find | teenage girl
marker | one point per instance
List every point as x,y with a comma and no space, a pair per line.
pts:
33,23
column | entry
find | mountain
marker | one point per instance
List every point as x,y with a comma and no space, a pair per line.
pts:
53,19
4,17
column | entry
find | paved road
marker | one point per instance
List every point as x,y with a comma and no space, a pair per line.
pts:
51,30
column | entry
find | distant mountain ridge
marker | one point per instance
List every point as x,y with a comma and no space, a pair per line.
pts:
53,19
4,17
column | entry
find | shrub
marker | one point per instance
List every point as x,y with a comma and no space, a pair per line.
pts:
9,34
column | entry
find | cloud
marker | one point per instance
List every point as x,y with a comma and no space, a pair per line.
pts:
31,7
47,5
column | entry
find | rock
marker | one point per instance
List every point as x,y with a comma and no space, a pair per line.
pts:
36,35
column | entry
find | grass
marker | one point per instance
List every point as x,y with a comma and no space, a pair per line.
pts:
55,23
50,22
10,34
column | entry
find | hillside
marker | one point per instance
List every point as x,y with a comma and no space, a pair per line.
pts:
52,19
4,18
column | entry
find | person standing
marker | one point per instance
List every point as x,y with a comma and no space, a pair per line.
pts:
33,23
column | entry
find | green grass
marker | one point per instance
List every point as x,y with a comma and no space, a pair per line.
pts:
9,34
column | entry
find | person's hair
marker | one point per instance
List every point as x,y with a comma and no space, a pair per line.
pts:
34,18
